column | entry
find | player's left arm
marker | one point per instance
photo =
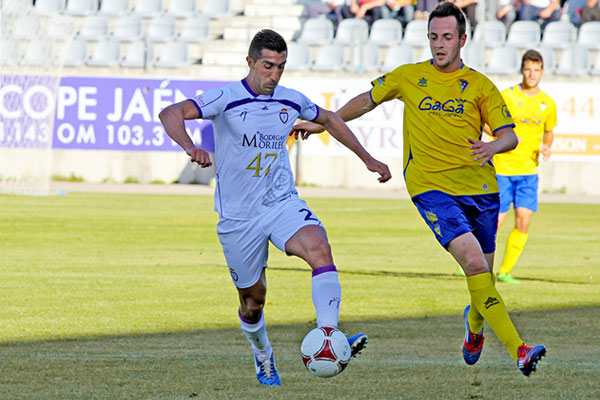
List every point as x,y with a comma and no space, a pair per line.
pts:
496,116
483,152
334,124
547,144
549,125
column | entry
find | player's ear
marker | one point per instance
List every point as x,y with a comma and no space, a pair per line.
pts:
250,62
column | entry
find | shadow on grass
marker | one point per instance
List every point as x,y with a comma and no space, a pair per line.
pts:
415,358
426,275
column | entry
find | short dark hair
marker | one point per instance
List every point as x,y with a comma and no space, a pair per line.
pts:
448,9
532,55
266,39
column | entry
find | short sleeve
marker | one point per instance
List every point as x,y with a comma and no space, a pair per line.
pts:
387,87
210,103
494,110
308,110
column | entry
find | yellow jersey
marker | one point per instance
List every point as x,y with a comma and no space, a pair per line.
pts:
441,112
533,116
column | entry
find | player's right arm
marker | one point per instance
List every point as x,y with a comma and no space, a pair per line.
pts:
355,108
173,120
340,131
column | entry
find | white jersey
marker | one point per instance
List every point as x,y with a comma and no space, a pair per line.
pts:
253,166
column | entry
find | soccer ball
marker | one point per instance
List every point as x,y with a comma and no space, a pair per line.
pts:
325,351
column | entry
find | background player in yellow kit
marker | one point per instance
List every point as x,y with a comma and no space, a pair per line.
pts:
447,167
534,114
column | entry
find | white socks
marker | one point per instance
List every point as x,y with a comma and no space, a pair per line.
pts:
256,332
326,295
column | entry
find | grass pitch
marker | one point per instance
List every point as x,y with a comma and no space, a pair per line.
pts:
127,296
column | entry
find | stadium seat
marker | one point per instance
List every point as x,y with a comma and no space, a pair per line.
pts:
37,52
329,58
161,29
316,31
595,70
416,33
105,54
524,34
424,55
148,8
398,55
352,31
182,8
93,28
364,58
491,32
49,5
114,7
567,67
589,35
195,29
9,52
386,32
135,56
26,27
504,61
559,34
472,55
63,31
128,28
74,53
80,7
548,57
298,57
216,8
174,54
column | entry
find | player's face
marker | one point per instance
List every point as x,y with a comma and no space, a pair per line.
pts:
532,72
445,43
266,71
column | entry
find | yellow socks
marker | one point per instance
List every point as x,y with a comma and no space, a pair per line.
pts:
486,299
514,247
475,319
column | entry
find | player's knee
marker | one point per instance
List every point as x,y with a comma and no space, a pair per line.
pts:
475,263
252,309
522,224
320,253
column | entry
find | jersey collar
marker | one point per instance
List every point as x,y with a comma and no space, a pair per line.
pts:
247,87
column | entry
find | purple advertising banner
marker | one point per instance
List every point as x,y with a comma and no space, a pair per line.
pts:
106,113
26,110
122,114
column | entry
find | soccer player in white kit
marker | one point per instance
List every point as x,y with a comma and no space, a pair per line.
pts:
255,194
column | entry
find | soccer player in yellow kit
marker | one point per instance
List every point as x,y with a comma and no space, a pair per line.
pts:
447,168
534,113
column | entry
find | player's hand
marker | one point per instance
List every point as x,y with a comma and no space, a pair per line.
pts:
305,129
546,152
199,156
382,169
482,151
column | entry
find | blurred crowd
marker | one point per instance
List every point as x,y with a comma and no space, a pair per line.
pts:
507,11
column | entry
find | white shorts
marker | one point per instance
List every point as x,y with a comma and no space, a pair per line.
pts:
246,243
